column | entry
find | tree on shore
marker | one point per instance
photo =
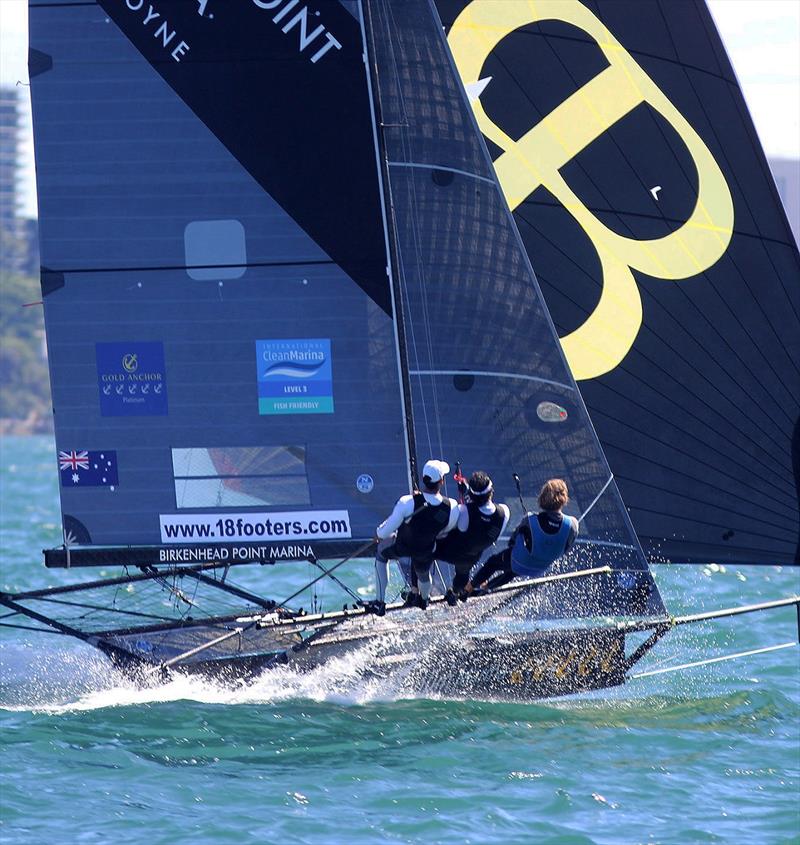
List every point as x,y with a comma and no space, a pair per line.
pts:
24,383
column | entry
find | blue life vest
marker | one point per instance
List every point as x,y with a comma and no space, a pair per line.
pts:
546,547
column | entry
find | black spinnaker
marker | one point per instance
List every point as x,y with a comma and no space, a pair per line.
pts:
639,186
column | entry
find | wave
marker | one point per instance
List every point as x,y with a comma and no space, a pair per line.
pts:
292,369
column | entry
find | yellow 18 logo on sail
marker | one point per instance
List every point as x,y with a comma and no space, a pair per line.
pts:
607,335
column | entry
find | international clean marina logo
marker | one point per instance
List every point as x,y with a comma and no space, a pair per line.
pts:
294,376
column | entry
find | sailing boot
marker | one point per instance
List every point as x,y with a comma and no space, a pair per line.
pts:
450,598
411,599
375,606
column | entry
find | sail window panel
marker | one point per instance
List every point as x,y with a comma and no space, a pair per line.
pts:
469,297
241,492
240,477
421,91
494,427
215,249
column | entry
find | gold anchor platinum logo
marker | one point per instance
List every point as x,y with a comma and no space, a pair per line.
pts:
604,339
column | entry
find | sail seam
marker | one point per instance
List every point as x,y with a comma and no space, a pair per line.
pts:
650,385
310,263
491,374
423,166
587,541
640,215
596,498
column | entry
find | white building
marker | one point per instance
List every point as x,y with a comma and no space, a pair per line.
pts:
787,177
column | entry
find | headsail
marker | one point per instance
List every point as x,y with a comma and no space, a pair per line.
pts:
490,384
636,179
214,280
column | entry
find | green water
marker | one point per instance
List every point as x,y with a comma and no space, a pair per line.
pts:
710,754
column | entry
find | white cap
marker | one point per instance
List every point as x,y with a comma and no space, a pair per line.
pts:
435,470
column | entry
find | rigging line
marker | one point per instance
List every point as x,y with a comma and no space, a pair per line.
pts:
588,541
85,606
415,239
709,660
596,498
167,267
746,121
493,374
422,166
31,628
404,286
387,213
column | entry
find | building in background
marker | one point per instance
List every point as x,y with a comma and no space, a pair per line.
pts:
787,178
18,236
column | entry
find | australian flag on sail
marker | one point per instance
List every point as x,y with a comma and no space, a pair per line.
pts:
88,469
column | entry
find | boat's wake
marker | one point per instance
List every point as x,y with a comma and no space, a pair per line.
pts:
80,680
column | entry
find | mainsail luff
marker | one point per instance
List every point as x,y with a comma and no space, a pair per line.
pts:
390,238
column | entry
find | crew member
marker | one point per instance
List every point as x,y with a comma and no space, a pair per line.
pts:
411,531
480,523
538,541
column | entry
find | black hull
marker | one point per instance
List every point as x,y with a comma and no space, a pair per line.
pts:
516,668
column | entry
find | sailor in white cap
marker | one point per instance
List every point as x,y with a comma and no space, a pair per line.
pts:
411,531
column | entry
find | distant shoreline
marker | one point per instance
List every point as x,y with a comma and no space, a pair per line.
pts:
34,423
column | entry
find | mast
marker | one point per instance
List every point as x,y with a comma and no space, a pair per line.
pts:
392,256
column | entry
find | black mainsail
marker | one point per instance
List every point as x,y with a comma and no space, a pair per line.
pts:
640,189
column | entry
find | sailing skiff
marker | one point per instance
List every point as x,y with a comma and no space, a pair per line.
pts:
288,249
